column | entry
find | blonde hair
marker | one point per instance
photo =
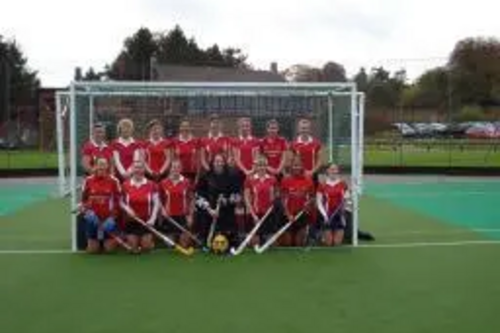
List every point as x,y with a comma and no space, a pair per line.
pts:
124,122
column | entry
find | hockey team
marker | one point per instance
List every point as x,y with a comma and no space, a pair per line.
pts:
216,193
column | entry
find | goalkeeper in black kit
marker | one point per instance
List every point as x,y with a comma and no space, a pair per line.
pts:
217,194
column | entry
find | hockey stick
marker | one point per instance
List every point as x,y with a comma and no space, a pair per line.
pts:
181,228
250,235
165,239
281,231
214,223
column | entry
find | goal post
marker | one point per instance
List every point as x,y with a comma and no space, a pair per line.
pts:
336,111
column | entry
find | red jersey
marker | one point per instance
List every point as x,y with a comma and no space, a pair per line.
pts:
247,149
262,191
274,149
308,151
94,151
101,194
187,152
156,154
213,145
176,196
333,193
127,151
140,197
296,191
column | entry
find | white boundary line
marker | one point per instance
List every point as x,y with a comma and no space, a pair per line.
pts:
436,233
15,252
360,246
431,244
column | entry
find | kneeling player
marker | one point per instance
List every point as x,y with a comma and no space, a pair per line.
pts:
330,200
141,204
297,190
176,202
260,194
99,206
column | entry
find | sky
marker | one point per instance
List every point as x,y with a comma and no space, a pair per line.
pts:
59,35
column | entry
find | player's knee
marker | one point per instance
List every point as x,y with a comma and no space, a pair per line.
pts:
327,238
109,225
285,239
147,243
110,246
92,247
300,237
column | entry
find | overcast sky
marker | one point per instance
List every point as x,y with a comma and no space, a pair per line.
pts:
58,35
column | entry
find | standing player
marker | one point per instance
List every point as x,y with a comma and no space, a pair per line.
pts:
157,152
246,147
99,206
176,199
307,147
186,148
126,149
215,143
260,194
96,148
297,190
330,200
274,148
139,201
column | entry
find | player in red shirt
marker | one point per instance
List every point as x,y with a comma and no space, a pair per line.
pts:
99,206
297,190
215,143
307,147
186,148
157,152
246,147
96,148
139,201
330,200
125,149
176,197
260,194
274,148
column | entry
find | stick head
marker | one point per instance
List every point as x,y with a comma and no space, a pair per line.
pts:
257,249
189,251
233,251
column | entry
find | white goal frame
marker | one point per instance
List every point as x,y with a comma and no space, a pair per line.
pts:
69,185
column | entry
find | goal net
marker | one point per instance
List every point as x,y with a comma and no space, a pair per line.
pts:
335,110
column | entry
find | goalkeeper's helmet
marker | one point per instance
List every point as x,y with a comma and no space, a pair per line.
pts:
220,244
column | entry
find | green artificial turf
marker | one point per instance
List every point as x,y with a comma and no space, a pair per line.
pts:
27,159
388,154
408,289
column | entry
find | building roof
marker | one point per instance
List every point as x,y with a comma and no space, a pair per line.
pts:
216,74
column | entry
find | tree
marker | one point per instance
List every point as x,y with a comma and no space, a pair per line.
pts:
133,62
174,48
384,90
18,83
361,79
91,75
430,89
139,51
333,72
475,71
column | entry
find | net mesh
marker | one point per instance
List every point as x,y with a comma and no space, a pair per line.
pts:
335,137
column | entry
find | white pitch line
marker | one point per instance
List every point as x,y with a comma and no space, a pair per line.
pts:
16,252
434,233
360,246
430,244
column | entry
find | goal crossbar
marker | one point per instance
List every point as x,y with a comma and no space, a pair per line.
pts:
327,90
